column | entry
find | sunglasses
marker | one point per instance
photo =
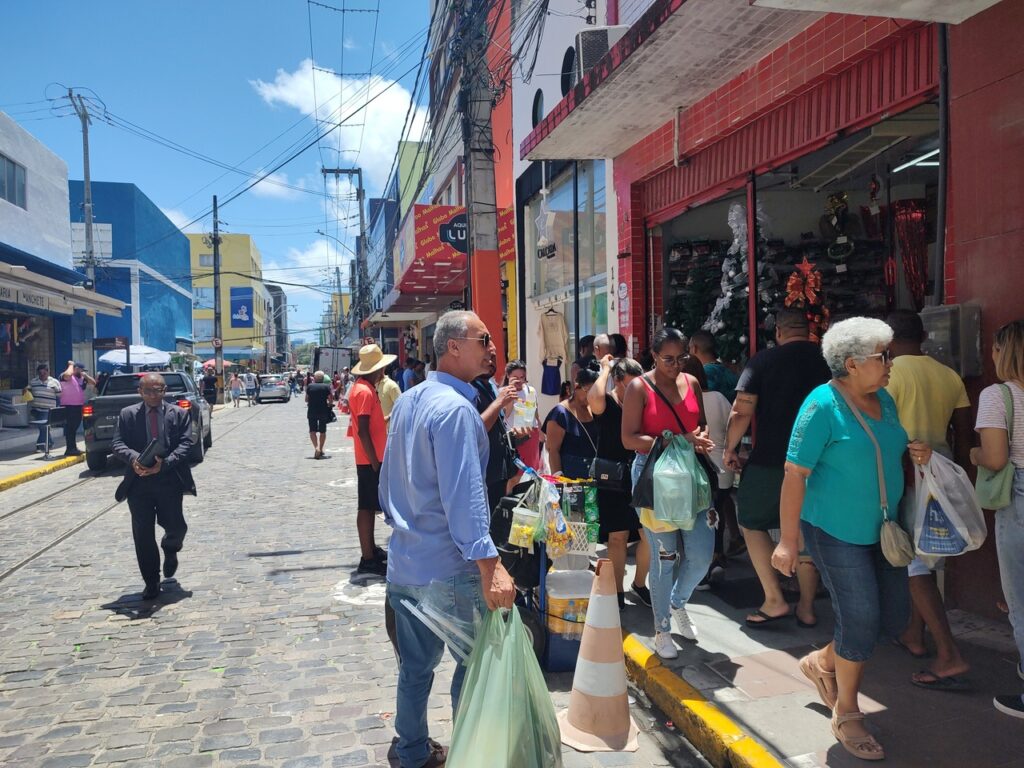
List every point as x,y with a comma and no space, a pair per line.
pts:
154,390
679,362
885,356
485,339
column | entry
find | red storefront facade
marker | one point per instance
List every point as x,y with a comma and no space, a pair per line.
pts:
837,75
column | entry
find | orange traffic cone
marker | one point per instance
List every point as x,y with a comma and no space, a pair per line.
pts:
598,717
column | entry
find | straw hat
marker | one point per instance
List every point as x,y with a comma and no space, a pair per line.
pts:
371,359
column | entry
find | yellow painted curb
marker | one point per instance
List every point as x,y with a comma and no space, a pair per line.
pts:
723,743
32,474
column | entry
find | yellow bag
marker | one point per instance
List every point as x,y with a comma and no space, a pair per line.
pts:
26,395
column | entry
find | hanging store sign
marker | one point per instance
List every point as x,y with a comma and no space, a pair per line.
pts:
43,302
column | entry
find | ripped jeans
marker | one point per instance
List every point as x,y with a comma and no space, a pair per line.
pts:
676,572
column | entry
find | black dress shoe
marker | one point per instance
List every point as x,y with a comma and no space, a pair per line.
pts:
151,592
170,563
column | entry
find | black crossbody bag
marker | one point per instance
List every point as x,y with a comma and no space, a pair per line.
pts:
607,474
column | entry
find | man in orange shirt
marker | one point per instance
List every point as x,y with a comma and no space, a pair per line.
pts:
369,435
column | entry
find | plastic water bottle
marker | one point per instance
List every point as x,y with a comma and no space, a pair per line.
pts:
569,617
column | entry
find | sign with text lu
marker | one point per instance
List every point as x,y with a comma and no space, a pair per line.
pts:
241,308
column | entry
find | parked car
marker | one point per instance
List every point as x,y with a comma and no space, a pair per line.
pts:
273,388
99,415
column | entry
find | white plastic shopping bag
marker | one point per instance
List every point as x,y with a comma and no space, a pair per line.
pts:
948,520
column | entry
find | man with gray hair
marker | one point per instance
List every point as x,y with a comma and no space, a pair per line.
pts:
433,494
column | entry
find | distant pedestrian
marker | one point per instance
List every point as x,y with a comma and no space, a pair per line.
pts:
720,377
209,387
388,391
72,398
441,544
155,493
771,390
318,412
584,354
45,391
251,385
369,436
409,374
529,449
236,386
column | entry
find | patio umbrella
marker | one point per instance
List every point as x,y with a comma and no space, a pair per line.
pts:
141,355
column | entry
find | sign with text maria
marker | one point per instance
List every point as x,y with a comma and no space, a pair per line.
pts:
241,308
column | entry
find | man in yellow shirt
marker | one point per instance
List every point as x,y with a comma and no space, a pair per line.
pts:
931,400
388,392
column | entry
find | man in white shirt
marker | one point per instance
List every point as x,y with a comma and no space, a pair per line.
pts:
45,391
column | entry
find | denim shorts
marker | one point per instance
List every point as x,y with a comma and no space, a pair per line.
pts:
870,597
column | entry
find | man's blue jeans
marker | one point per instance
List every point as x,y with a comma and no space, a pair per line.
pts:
40,414
420,651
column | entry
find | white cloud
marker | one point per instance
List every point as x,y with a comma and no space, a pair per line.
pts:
179,219
350,44
278,186
310,266
336,99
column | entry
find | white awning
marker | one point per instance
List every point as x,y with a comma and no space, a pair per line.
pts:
19,285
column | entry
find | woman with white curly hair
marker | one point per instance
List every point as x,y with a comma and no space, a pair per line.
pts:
830,494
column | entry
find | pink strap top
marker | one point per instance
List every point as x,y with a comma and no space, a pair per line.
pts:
657,417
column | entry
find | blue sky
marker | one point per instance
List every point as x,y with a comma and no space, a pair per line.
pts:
224,79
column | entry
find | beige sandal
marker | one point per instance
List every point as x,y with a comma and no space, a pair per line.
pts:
863,747
824,681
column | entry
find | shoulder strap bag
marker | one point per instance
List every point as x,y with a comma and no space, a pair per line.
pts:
607,474
994,488
703,460
896,544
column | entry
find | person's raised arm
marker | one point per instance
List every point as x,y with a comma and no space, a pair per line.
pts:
69,371
740,416
633,438
506,395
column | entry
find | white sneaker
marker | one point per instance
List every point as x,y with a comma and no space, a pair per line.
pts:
683,624
664,646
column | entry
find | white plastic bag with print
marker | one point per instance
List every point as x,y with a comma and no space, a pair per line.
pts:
948,520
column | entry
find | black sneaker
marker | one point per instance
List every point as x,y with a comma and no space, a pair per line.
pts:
641,593
1012,705
151,592
170,563
372,568
380,554
622,601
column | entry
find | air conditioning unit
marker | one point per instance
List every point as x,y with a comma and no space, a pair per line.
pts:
592,44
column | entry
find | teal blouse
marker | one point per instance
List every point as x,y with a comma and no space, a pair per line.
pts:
842,490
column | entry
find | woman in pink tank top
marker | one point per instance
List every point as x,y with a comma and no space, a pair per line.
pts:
667,399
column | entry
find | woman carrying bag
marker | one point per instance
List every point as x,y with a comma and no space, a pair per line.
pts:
571,431
660,401
1000,462
619,521
842,488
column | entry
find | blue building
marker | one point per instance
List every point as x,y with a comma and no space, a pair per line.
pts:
143,260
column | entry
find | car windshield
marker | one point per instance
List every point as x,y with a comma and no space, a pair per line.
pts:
129,385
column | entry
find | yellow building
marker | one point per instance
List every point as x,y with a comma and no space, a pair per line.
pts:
246,307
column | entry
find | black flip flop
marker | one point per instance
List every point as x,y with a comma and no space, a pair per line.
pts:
806,624
951,684
766,619
923,655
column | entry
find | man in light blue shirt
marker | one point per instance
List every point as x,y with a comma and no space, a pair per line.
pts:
433,495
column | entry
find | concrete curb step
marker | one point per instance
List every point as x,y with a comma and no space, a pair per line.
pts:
32,474
723,743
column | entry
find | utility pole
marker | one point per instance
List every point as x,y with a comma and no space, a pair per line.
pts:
476,100
360,301
218,351
338,308
90,256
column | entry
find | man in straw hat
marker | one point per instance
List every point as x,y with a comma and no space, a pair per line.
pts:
434,497
369,434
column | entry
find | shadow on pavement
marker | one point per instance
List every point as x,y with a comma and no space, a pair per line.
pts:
132,605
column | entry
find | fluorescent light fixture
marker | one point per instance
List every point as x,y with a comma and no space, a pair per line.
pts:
916,161
928,163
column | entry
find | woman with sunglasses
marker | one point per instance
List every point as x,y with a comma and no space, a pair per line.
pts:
659,401
1002,440
830,494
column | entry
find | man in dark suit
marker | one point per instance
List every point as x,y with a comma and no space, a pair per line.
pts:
155,493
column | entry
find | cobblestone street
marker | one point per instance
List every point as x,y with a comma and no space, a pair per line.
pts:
267,653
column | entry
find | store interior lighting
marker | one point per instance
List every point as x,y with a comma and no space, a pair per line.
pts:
918,161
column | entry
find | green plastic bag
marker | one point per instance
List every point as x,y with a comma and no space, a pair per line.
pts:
681,489
505,718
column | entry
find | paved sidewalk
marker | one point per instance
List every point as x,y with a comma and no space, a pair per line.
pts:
752,677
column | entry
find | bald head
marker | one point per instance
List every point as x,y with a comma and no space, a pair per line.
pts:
152,380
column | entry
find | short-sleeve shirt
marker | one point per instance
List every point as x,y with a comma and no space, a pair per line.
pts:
210,385
926,394
388,392
781,377
577,450
316,399
72,391
721,379
44,393
364,401
842,490
992,414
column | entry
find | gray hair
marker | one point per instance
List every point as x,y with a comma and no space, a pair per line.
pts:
451,325
857,337
624,367
319,375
